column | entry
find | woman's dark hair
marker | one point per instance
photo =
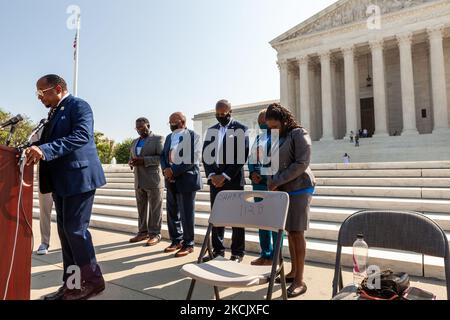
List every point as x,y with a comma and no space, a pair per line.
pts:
277,112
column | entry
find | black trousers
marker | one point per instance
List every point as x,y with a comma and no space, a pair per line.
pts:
181,216
218,234
73,215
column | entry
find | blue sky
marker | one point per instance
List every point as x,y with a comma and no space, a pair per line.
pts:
146,57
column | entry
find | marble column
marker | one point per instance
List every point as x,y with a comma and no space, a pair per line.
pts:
292,89
407,82
284,82
439,89
351,111
305,98
379,89
327,97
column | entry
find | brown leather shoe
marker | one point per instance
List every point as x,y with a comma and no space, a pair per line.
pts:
88,290
153,241
261,262
58,295
184,252
173,247
139,238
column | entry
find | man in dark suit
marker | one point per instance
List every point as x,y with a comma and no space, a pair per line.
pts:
71,170
180,164
225,151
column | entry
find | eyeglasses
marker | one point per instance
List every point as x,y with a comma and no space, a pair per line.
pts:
40,93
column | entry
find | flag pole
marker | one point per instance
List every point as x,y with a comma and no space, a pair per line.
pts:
76,46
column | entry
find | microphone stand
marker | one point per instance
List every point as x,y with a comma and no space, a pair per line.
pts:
11,133
28,143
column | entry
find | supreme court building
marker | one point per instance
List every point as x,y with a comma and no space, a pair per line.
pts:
367,64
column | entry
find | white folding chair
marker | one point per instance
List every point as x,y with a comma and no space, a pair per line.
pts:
239,209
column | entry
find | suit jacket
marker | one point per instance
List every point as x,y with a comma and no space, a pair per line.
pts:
235,169
150,175
294,159
71,165
186,174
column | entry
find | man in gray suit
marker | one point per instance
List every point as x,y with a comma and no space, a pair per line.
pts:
148,182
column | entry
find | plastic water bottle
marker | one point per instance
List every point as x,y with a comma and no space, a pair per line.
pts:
114,161
360,257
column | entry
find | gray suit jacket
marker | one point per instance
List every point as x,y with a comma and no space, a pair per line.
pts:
150,175
294,159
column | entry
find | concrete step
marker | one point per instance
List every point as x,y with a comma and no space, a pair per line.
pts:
441,164
131,186
398,192
388,192
318,229
386,182
420,205
340,173
369,173
436,173
131,180
325,222
318,251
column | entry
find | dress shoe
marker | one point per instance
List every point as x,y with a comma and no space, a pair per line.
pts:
236,258
184,252
88,290
173,247
261,262
139,238
58,295
215,255
153,241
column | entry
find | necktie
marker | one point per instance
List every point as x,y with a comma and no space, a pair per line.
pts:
51,116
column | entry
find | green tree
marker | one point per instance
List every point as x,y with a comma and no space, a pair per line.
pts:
105,147
22,132
122,151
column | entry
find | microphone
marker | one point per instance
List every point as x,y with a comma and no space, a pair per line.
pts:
41,124
12,121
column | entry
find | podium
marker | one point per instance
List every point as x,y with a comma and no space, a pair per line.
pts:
20,280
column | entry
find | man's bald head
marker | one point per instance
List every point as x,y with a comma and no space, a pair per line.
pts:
223,105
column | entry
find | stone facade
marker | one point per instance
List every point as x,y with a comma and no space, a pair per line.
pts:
392,80
338,76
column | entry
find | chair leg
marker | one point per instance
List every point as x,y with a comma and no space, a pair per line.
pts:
216,293
283,284
191,289
271,284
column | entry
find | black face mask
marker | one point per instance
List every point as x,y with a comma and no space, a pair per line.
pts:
174,128
224,120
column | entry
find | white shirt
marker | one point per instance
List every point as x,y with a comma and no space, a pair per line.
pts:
175,141
222,133
62,99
